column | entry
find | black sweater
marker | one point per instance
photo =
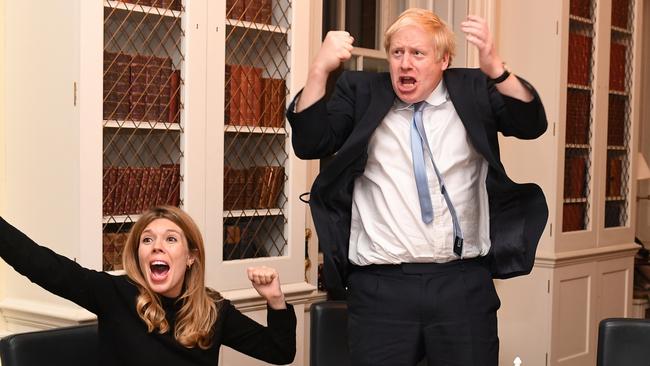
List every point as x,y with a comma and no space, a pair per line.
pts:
123,336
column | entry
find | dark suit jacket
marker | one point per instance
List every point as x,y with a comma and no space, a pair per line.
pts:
343,126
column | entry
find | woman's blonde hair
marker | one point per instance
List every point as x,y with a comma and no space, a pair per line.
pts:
443,37
198,312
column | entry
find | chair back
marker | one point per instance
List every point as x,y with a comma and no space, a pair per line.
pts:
329,334
623,342
69,346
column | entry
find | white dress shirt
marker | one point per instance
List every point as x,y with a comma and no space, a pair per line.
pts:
387,226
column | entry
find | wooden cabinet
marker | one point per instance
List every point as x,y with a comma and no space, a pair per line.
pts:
112,96
583,56
143,73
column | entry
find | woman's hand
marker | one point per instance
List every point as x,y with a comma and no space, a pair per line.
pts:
266,282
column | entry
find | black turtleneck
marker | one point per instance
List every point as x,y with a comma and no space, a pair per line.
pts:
123,336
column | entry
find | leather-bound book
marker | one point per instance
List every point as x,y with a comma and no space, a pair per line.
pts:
142,193
574,176
579,70
279,102
173,194
121,188
165,185
277,183
175,97
252,10
116,85
573,216
251,93
233,94
155,174
266,12
577,116
109,188
580,8
616,120
617,63
614,172
235,9
620,13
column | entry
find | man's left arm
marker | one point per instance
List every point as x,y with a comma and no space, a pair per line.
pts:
523,114
490,62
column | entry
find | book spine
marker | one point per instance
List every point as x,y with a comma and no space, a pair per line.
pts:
174,114
235,9
579,59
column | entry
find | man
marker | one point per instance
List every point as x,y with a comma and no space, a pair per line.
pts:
415,213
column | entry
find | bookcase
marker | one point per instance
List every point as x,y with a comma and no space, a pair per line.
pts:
140,107
583,56
255,137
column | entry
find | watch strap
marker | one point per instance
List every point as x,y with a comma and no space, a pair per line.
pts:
501,78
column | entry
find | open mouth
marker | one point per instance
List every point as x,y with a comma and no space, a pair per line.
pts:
407,80
159,270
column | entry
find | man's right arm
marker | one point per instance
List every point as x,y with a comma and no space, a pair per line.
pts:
336,48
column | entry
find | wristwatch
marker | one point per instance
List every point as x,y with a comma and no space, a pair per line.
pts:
501,78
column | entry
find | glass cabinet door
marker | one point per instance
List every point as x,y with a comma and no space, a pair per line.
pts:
142,109
256,142
617,178
579,117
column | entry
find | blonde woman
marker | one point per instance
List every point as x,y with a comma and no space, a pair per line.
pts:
160,312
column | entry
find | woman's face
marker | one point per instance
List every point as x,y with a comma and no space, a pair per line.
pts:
164,257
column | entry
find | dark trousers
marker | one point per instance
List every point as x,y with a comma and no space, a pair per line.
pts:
400,314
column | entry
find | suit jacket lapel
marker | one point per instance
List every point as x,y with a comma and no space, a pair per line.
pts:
463,97
382,97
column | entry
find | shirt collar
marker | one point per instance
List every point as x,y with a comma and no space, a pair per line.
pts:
436,98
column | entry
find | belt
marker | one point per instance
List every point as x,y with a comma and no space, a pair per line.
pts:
421,268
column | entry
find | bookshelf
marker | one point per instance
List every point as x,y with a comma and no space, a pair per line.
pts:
255,138
587,70
85,118
141,108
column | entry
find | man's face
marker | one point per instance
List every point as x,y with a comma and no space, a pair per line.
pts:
414,69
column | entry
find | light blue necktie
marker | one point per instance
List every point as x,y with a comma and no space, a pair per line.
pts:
419,166
418,144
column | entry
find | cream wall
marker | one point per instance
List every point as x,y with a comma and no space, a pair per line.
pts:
2,135
643,210
2,107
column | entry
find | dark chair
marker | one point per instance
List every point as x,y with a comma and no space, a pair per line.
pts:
329,334
67,346
623,342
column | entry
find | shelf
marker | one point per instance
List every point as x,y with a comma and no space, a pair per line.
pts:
148,10
142,125
257,26
614,198
618,92
252,129
579,87
254,212
617,148
577,146
120,219
582,20
575,200
622,31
